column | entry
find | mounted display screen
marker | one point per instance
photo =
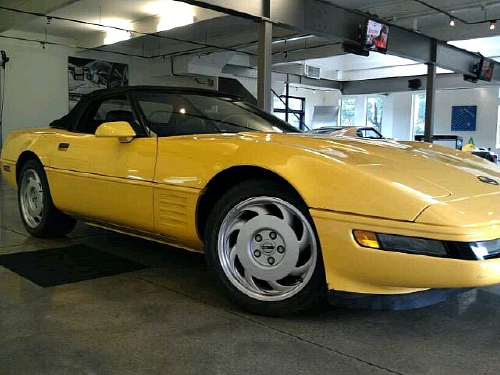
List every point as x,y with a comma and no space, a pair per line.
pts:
375,36
486,71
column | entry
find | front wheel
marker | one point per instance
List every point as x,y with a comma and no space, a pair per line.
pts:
38,213
262,246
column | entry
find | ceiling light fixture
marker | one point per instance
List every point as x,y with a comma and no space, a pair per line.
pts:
493,25
115,36
174,14
452,21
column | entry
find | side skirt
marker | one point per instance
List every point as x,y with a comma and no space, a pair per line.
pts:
138,233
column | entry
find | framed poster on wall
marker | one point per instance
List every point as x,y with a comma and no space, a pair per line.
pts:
463,118
87,75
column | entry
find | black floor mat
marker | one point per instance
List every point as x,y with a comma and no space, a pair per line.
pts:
64,265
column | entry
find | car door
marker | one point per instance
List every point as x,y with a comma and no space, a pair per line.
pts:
174,119
101,179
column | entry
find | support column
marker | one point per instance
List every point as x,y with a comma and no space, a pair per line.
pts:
430,95
287,99
264,94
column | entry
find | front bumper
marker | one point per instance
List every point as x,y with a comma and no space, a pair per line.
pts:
352,268
393,302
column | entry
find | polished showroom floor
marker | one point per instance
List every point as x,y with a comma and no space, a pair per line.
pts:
170,319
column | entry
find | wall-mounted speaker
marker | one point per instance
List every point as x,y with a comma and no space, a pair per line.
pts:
415,84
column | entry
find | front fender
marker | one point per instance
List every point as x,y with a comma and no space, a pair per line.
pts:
39,142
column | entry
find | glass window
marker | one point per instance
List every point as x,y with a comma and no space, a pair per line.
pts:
279,103
374,108
347,112
498,128
418,114
114,110
295,121
296,104
184,114
370,133
108,110
280,115
295,111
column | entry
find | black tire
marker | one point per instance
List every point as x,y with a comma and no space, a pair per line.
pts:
48,221
310,287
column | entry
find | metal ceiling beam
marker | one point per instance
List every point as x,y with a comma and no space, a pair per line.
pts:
401,84
336,23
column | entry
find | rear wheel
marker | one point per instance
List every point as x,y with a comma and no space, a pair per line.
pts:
262,246
38,213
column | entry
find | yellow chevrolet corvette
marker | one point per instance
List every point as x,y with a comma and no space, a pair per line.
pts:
284,218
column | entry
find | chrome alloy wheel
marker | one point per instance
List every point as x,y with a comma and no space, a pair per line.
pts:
267,248
31,198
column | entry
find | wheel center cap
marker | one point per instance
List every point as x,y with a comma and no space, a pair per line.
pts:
268,247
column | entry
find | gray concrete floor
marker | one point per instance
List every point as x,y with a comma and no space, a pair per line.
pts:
171,319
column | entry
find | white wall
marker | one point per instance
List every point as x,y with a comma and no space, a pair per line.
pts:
36,86
401,115
486,100
396,117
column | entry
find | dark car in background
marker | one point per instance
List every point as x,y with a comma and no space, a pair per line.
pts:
350,131
457,142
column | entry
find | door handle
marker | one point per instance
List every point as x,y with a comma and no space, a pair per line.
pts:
63,146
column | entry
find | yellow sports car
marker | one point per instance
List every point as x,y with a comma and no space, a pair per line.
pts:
284,218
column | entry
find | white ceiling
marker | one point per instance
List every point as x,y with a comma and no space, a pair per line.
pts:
232,33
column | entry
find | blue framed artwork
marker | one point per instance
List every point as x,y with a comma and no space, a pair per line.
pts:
463,118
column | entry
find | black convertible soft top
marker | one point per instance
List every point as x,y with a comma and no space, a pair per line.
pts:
67,121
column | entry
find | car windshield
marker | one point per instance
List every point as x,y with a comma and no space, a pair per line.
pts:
184,113
369,133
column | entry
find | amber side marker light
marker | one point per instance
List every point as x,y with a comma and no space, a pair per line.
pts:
366,239
6,168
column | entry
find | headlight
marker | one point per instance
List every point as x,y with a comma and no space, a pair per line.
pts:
412,244
479,250
392,242
486,249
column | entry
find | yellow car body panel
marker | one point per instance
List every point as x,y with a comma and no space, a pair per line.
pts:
350,267
153,186
104,179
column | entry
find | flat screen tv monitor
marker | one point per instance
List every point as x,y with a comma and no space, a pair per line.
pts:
375,36
486,72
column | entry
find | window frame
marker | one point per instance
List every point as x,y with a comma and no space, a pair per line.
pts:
497,143
414,112
368,123
294,112
98,101
340,111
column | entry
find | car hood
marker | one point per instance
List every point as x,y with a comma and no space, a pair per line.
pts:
430,174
